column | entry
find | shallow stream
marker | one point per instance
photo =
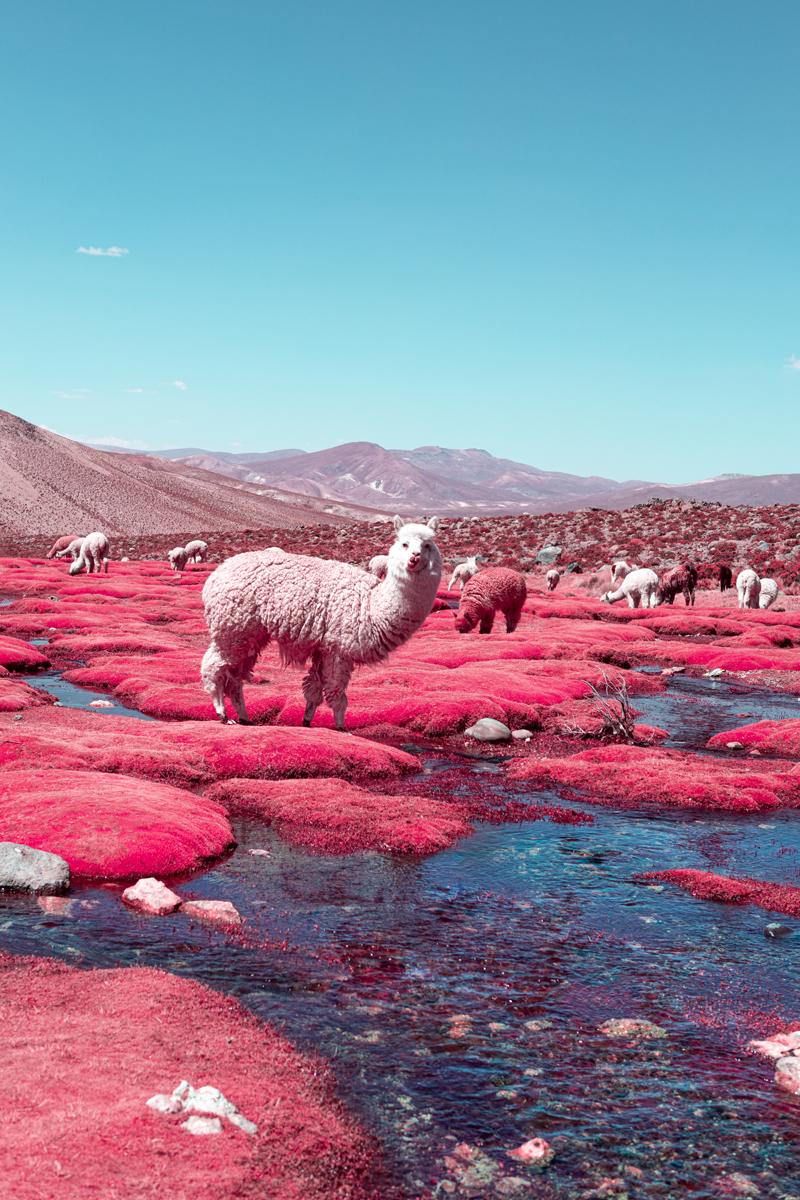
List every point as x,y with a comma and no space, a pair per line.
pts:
416,979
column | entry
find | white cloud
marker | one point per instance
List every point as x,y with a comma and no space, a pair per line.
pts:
180,385
103,252
72,394
794,362
134,391
117,442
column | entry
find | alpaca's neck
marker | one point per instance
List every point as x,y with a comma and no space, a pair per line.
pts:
398,606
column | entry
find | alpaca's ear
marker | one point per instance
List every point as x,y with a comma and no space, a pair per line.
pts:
433,524
398,523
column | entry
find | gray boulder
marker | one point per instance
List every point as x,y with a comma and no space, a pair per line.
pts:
23,869
489,730
548,554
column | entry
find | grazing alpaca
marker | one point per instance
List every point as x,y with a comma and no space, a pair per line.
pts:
640,587
463,571
748,588
379,565
678,579
196,551
178,558
94,552
725,578
61,545
495,589
552,577
73,549
620,569
331,612
768,593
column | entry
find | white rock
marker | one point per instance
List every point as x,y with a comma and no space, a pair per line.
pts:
524,735
714,673
101,704
489,730
152,897
734,745
202,1125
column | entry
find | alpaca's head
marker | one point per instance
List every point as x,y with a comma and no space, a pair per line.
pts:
414,551
76,566
607,598
466,617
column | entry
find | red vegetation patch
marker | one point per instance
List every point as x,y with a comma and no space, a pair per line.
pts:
776,897
19,656
16,695
770,737
630,776
85,1050
334,817
111,826
192,752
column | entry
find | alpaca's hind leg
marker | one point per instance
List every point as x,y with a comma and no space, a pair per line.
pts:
335,678
312,688
486,622
512,619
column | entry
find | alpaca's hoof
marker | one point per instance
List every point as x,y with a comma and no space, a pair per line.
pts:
306,722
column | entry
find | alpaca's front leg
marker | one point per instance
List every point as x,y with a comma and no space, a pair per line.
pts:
212,672
336,674
312,688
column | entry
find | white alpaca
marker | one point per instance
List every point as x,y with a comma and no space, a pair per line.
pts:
748,588
768,593
379,565
639,588
73,549
93,555
178,558
620,569
463,571
331,612
197,550
552,577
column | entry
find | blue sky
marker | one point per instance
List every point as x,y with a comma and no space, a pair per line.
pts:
568,233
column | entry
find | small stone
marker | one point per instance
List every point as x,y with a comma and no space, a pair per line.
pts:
734,745
23,869
537,1024
165,1104
715,673
631,1027
489,730
201,1126
152,897
101,704
512,1185
257,851
534,1153
775,929
218,912
787,1074
56,906
522,735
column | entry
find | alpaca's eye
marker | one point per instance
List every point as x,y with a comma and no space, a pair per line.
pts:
405,545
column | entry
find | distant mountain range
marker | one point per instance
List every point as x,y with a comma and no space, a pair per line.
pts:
436,479
50,485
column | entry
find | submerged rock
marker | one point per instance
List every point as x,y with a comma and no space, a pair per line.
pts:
23,869
534,1153
632,1027
787,1074
218,912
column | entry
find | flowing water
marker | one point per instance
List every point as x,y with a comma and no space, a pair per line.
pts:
458,998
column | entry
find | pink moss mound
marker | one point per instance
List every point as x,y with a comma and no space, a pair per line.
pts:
188,753
16,695
85,1050
331,816
781,738
19,656
776,897
111,826
630,776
